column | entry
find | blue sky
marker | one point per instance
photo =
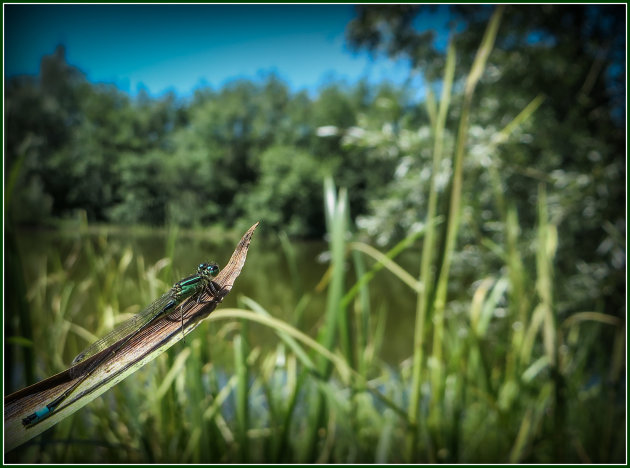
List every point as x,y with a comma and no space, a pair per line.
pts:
182,47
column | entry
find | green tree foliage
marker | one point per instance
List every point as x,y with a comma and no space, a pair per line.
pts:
204,161
574,57
213,160
289,191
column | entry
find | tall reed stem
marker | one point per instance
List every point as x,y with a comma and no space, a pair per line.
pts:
426,276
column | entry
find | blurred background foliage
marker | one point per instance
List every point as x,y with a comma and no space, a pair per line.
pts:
255,150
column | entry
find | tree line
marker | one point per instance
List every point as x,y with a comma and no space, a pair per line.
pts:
248,150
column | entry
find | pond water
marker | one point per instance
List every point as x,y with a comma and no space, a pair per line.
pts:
266,278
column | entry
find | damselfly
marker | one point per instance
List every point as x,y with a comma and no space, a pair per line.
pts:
190,287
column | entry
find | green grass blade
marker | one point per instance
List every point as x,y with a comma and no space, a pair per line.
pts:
241,350
336,215
365,278
428,249
392,266
452,228
288,339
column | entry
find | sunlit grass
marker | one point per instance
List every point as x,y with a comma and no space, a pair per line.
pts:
499,389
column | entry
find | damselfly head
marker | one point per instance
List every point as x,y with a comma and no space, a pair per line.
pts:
208,269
